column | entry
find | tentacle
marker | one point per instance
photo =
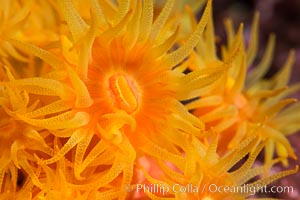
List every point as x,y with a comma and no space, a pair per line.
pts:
261,170
146,20
83,98
270,179
190,168
176,176
161,19
109,10
239,84
260,70
13,175
253,43
184,125
99,15
55,107
219,113
277,136
204,102
240,134
161,153
41,86
2,174
166,45
77,137
238,153
177,56
77,25
79,154
15,147
93,154
111,33
127,178
271,111
117,120
103,179
105,158
66,120
186,115
210,40
30,171
229,31
133,26
242,171
211,152
151,179
283,76
122,11
35,135
50,58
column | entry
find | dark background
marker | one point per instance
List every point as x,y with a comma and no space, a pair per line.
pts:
281,17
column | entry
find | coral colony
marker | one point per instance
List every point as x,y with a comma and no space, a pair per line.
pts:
122,100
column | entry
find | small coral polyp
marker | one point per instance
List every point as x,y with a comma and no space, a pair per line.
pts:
124,92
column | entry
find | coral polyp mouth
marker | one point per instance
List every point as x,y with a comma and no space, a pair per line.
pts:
124,91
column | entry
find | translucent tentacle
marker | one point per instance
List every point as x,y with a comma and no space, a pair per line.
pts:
205,101
260,70
108,9
122,11
83,98
93,154
103,179
161,153
107,157
2,173
99,15
166,45
77,136
127,178
177,177
133,26
210,40
146,20
282,77
55,107
41,86
184,113
161,19
66,120
229,31
28,169
79,154
272,110
253,43
177,56
272,178
279,137
14,153
238,153
248,164
116,30
77,25
51,59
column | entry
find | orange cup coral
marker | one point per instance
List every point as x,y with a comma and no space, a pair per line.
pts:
90,110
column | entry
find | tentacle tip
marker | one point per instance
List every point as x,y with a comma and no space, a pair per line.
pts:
294,157
79,177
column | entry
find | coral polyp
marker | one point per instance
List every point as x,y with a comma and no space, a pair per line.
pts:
119,95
